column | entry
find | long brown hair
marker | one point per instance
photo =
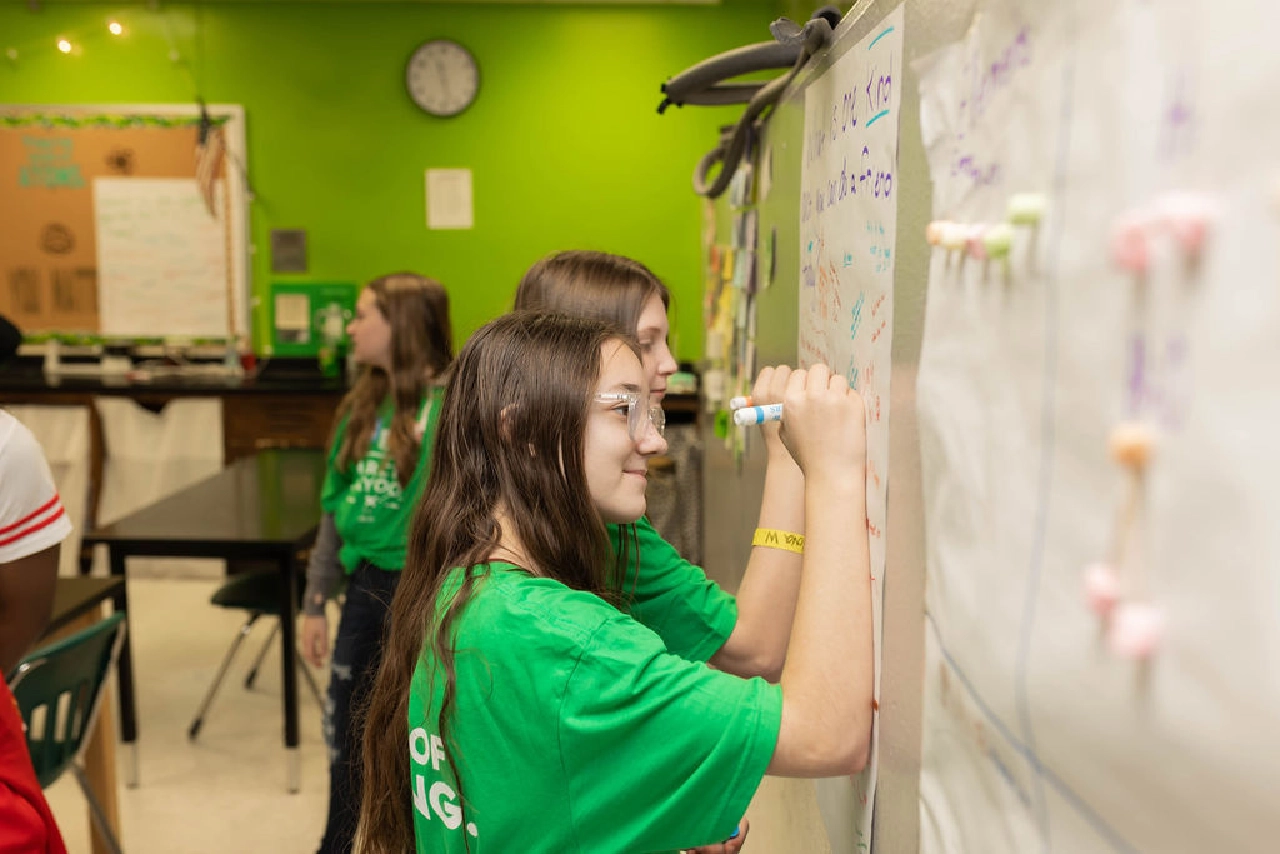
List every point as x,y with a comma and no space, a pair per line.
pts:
417,308
599,286
510,440
612,288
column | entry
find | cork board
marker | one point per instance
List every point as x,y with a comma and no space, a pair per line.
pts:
49,276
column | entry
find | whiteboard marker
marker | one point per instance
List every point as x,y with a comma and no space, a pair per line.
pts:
758,414
736,403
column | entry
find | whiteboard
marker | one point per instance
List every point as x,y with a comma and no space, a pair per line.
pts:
1038,735
848,231
162,258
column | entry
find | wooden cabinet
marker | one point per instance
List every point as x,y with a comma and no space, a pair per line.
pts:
258,422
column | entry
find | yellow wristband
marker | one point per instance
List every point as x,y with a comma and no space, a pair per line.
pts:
772,539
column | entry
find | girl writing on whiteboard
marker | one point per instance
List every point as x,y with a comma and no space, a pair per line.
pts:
518,708
698,620
748,635
379,460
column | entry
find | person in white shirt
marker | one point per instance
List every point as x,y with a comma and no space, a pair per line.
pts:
33,525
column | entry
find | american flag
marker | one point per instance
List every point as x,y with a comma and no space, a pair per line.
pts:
210,149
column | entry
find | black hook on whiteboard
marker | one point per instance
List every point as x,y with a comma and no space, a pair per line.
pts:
703,84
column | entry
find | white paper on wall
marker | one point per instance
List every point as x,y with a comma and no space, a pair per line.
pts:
162,260
848,227
449,199
1037,736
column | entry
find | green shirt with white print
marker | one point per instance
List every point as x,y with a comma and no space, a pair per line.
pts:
371,511
574,729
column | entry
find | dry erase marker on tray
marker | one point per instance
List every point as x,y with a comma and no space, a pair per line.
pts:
736,403
757,414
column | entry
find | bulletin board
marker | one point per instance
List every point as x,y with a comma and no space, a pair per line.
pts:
104,231
1101,641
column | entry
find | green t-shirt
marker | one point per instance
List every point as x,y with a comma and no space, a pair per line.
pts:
575,730
691,613
371,511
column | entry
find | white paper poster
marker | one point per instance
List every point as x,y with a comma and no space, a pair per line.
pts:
449,199
848,228
162,260
1040,733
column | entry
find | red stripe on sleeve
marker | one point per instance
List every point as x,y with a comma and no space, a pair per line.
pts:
42,524
27,518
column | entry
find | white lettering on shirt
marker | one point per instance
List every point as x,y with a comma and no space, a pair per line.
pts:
446,809
419,755
428,749
437,751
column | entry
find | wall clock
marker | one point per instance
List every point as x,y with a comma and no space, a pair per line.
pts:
442,77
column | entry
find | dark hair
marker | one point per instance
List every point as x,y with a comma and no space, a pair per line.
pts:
417,308
598,285
10,339
509,444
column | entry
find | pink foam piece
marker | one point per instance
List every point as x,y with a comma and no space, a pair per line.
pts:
1188,217
1136,630
1129,243
1101,588
975,242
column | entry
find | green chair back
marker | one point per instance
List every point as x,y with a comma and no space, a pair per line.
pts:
58,689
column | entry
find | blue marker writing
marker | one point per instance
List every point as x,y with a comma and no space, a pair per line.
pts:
757,414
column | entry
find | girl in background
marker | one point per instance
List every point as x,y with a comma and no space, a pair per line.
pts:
379,460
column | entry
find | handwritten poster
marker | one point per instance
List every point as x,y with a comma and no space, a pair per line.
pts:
162,260
848,227
1145,295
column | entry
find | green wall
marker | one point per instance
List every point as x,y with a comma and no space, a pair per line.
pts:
564,142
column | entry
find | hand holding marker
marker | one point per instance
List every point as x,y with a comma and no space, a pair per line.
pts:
745,414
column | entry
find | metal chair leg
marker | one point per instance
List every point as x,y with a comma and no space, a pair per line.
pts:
95,810
194,730
262,653
311,680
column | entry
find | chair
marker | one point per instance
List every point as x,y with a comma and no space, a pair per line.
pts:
58,689
258,593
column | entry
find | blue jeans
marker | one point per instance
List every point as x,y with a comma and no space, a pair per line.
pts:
357,652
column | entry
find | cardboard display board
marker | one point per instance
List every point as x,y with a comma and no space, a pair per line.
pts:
50,158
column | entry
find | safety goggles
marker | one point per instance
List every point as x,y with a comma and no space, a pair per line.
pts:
640,412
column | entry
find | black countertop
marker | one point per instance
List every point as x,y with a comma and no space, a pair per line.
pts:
20,379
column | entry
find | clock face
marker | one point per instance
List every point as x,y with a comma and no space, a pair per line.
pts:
442,77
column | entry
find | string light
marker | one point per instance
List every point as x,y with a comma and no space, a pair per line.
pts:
115,28
64,45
